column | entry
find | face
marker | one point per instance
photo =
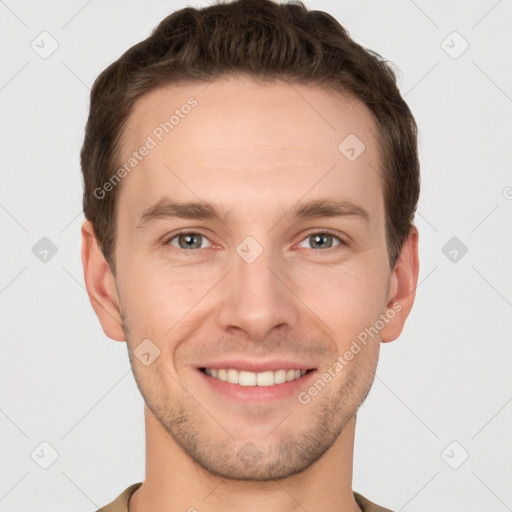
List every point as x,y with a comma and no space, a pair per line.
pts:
280,266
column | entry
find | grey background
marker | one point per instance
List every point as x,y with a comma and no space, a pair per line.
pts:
447,378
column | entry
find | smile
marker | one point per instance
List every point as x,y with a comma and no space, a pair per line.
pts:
245,378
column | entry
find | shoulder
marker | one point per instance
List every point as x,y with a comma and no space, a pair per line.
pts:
367,505
120,504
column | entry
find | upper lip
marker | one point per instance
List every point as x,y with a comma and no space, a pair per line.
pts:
258,366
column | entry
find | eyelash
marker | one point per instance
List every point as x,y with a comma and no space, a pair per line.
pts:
167,240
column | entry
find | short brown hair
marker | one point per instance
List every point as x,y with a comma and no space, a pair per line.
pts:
263,40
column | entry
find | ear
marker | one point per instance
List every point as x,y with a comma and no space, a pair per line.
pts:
100,285
402,288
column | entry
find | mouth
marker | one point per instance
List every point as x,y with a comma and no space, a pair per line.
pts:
255,379
263,387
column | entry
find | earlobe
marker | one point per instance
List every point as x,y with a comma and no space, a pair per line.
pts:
100,285
402,289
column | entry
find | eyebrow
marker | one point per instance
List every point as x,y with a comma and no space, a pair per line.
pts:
167,208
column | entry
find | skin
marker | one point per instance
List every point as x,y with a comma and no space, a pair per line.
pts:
255,149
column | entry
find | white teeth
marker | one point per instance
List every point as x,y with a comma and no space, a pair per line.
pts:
232,376
280,376
244,378
265,378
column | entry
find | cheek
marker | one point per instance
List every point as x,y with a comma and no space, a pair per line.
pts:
347,299
157,297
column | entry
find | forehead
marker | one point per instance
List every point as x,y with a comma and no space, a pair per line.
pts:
235,140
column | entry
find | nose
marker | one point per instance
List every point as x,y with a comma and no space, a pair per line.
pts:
258,297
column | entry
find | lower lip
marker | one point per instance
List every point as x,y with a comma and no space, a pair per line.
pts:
258,394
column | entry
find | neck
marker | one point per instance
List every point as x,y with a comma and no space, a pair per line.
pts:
173,481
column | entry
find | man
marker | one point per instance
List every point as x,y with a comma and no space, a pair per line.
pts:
251,177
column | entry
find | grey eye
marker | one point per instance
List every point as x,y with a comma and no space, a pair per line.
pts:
322,240
188,241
